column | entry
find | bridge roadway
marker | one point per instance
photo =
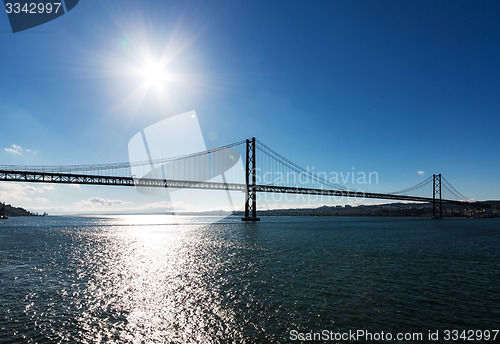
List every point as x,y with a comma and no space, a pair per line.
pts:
68,178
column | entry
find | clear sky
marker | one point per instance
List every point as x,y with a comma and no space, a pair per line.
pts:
403,88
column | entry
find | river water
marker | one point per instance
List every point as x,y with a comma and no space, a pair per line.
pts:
165,279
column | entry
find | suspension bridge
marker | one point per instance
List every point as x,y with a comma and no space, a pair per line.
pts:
263,170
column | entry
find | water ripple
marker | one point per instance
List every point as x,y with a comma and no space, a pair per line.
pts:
139,279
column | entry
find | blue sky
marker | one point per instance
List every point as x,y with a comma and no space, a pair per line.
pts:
394,87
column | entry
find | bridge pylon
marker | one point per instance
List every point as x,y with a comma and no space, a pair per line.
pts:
250,181
437,201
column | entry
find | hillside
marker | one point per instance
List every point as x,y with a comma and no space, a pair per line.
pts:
11,211
482,209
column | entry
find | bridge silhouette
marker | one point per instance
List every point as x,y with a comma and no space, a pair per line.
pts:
197,171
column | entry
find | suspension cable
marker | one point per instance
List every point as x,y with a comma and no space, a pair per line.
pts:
291,165
459,194
110,166
453,193
417,186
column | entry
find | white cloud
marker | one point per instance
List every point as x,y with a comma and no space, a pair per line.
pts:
166,206
14,149
39,189
22,192
18,150
100,205
74,186
421,173
101,202
97,205
34,152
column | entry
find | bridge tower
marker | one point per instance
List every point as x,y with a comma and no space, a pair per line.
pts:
250,181
437,204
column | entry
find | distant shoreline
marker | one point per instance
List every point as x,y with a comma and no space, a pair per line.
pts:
481,209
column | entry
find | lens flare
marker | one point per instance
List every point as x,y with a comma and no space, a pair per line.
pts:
154,74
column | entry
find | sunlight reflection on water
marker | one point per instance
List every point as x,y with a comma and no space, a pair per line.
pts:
147,282
157,279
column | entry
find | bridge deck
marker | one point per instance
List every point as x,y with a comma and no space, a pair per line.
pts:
68,178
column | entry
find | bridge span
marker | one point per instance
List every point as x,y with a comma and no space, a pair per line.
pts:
250,186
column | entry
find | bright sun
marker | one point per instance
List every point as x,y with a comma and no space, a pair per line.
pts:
154,74
151,73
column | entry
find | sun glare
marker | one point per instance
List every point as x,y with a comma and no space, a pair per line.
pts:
149,71
154,74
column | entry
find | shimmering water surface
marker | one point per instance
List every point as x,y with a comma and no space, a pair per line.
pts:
157,279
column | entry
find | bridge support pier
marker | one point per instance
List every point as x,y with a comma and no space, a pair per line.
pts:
250,181
437,204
